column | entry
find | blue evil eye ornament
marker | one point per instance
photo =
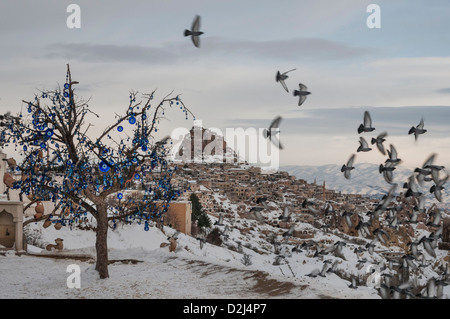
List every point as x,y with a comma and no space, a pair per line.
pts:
120,196
103,167
132,120
120,128
49,132
66,86
137,176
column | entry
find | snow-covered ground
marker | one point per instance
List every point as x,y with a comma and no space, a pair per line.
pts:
189,272
210,272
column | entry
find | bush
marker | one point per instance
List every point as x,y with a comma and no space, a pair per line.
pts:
214,237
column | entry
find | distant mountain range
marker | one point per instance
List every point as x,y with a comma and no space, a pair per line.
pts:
365,178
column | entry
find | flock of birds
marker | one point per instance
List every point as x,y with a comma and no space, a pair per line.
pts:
429,172
302,91
387,208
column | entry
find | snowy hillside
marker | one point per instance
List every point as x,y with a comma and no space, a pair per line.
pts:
246,265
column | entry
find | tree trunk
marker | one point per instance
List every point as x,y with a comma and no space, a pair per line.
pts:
101,244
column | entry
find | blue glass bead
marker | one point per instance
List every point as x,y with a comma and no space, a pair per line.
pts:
120,128
49,132
120,196
132,120
66,86
103,167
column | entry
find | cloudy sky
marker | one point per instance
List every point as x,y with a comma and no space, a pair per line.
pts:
399,72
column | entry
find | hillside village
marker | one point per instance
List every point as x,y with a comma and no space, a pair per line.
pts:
273,214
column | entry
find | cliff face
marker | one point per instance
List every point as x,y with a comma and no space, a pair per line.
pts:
203,145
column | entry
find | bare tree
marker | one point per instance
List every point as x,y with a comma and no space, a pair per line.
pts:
80,174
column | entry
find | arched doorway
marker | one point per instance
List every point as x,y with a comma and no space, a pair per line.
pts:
7,230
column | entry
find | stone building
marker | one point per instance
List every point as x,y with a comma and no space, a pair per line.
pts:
178,216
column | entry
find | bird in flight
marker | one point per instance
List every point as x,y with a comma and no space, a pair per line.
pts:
346,168
267,133
417,130
302,93
379,142
363,145
281,77
195,32
367,124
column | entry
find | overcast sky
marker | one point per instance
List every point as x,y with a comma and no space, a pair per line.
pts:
400,72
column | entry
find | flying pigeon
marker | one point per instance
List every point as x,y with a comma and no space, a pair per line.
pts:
361,263
297,248
367,124
371,246
379,233
162,142
202,240
363,227
393,156
414,247
314,273
385,201
353,284
417,130
435,169
426,241
386,170
310,205
195,31
257,212
329,210
384,291
324,269
440,284
262,200
267,133
420,205
333,267
413,189
286,216
281,77
379,142
425,170
347,216
346,168
363,145
437,217
174,236
289,232
219,222
339,251
302,93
